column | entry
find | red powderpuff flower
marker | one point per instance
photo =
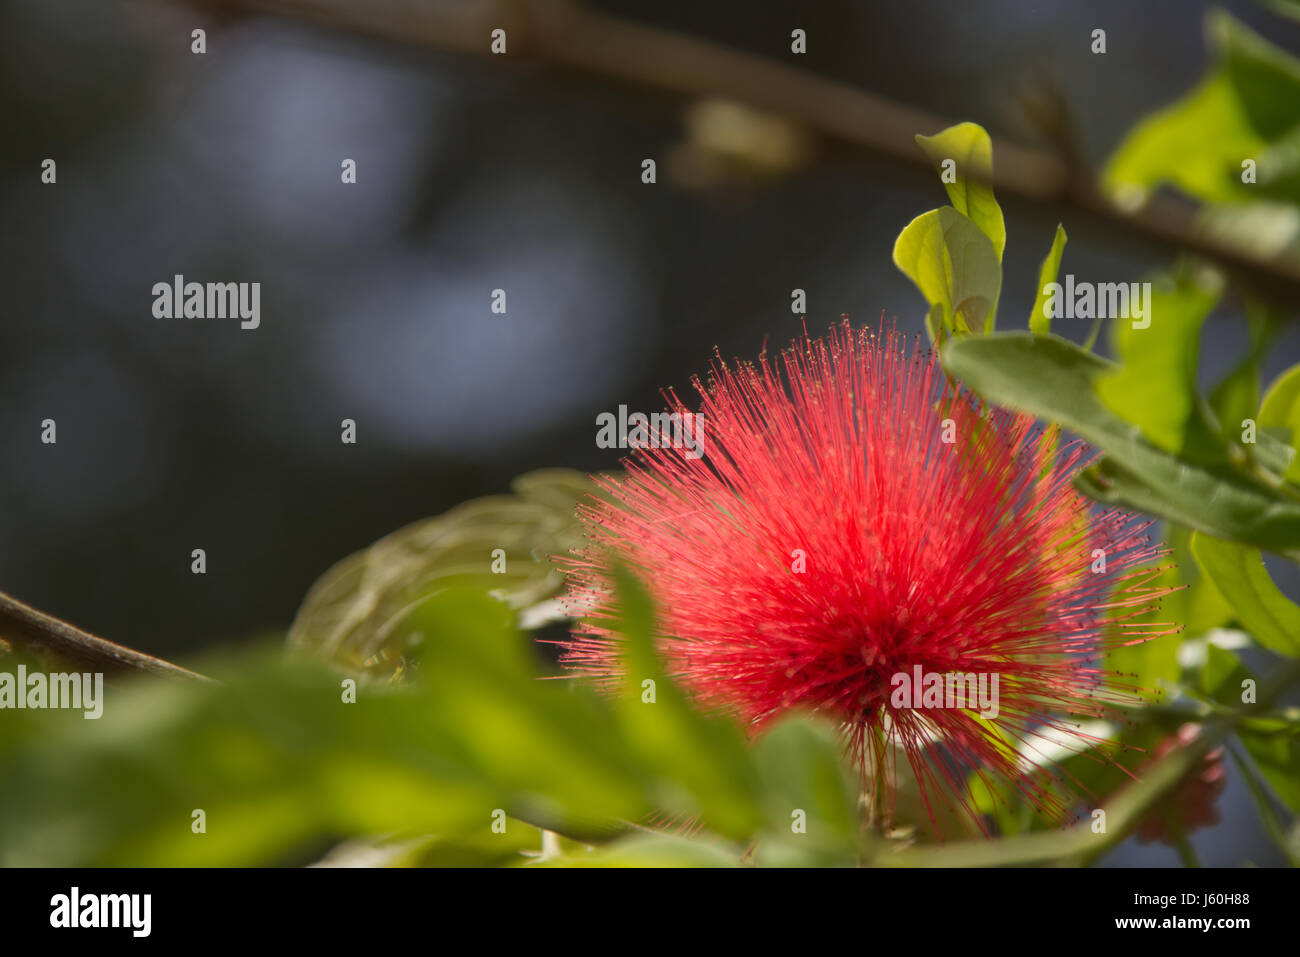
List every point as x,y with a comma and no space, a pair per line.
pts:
851,521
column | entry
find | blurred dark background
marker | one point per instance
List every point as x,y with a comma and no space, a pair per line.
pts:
474,173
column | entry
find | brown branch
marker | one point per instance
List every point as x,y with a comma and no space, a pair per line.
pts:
36,630
563,33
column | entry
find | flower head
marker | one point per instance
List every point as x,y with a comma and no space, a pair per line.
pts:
856,527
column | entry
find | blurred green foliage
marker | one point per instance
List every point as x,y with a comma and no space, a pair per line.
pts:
282,764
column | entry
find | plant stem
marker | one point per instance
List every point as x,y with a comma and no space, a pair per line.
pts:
42,633
1186,853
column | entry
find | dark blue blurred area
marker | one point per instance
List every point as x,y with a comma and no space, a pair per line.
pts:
475,173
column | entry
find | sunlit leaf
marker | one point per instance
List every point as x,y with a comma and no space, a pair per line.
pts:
1244,109
1155,385
1039,321
1053,379
1281,410
971,191
676,740
1197,606
954,265
1239,575
809,796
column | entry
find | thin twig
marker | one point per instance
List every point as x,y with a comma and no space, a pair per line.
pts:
36,630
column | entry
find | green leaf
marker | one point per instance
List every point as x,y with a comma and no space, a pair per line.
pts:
1268,814
706,752
1243,511
1237,398
1239,575
1197,144
350,613
1090,343
1222,677
1266,77
1281,410
954,265
1155,386
934,327
1198,604
271,755
1277,755
1273,454
1039,321
971,192
809,797
1053,379
1243,109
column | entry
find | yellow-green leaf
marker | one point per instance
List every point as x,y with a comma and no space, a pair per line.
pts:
1039,320
1281,410
1155,387
1238,573
970,185
954,265
1243,110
